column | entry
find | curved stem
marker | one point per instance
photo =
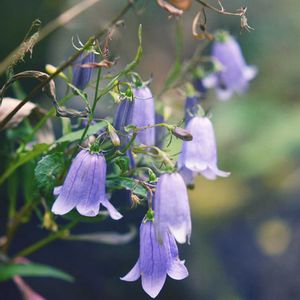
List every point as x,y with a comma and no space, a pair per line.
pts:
221,11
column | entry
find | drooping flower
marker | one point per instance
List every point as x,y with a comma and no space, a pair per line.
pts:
171,206
139,112
200,154
82,74
156,261
84,187
235,74
143,114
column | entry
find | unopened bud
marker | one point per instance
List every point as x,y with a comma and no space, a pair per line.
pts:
48,222
135,200
182,134
113,136
50,69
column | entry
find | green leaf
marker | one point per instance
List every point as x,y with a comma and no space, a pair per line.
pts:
34,270
22,158
123,163
117,183
48,169
76,135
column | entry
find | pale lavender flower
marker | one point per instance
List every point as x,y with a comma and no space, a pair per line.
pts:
139,112
82,75
171,206
156,261
200,154
84,187
235,74
143,114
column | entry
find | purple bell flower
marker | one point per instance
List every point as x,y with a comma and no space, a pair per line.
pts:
143,114
171,206
200,154
84,187
82,75
156,261
235,74
139,112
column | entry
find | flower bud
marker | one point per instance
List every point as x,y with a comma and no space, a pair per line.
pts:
182,134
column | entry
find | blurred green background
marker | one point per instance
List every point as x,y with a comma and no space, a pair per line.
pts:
246,228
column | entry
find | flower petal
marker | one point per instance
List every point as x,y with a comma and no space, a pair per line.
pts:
177,270
171,206
114,214
219,172
71,191
250,72
57,190
134,274
153,260
210,81
224,94
94,186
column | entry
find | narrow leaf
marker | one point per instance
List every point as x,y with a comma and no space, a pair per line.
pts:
32,270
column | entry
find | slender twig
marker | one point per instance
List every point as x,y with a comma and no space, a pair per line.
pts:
88,44
58,22
92,109
221,11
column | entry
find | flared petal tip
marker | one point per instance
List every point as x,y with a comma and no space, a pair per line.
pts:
88,212
224,94
250,72
153,286
114,214
133,275
177,270
181,235
59,208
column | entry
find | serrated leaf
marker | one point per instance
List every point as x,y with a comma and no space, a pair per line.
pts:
76,135
48,169
127,183
22,158
32,270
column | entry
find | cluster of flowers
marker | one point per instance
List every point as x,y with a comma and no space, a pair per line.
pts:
168,220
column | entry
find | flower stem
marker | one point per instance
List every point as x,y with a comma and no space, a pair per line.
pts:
91,117
220,11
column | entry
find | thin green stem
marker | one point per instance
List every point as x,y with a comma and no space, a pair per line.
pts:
91,116
47,240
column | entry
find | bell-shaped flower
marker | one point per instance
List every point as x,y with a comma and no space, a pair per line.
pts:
84,187
143,114
139,112
81,73
200,155
234,74
156,261
171,206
